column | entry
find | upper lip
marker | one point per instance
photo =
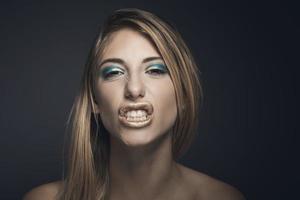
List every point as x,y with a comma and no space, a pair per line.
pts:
136,106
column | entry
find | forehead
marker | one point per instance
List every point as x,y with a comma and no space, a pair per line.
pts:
129,44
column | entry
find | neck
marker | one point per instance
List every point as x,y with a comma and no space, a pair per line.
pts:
141,171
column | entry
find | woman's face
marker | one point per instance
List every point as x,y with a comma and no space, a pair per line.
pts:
135,94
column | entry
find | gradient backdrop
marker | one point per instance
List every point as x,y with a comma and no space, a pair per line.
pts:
246,52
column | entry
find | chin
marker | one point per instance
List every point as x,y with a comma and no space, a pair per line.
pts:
136,139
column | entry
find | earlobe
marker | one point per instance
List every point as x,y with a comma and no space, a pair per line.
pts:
95,108
95,105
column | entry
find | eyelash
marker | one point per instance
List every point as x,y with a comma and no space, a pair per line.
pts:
153,71
157,72
112,74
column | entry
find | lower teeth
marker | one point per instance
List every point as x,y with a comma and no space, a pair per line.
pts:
135,119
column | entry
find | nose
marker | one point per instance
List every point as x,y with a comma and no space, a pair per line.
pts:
134,88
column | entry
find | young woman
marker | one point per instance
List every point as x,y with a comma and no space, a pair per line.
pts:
135,115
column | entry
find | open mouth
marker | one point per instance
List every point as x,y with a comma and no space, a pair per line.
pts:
136,115
136,122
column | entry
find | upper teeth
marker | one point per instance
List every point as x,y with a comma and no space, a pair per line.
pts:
136,113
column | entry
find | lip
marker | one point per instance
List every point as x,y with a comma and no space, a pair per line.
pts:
136,106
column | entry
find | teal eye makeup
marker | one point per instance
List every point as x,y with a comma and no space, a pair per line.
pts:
157,69
110,72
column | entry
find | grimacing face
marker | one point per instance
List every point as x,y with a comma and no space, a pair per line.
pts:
135,94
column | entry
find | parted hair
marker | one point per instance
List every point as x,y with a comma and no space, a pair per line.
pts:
87,171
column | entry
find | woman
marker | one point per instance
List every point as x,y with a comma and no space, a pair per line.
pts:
135,115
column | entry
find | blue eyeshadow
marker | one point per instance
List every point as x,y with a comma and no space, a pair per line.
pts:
107,70
159,66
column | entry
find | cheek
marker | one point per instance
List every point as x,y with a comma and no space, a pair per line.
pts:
167,104
109,101
108,96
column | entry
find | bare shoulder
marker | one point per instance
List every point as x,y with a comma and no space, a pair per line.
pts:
47,191
209,188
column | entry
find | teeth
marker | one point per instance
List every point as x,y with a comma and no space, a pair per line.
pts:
136,114
136,118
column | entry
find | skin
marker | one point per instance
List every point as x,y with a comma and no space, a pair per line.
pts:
134,81
141,160
144,153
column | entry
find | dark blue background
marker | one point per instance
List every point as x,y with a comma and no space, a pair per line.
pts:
247,52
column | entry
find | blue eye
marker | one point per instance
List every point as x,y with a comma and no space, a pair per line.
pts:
157,69
110,72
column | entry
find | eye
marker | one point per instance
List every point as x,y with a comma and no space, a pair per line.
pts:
157,69
110,72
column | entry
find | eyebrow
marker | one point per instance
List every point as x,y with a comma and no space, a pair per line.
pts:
122,62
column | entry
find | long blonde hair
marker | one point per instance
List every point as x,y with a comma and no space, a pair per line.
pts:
88,155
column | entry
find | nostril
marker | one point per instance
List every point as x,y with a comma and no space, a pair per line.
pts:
134,89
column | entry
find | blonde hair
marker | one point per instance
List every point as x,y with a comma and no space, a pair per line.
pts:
88,164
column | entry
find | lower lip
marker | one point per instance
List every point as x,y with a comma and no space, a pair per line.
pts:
139,124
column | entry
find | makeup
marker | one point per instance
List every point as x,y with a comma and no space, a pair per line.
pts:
113,70
137,100
157,69
110,71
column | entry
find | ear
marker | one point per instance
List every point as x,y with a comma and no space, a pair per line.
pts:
95,107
